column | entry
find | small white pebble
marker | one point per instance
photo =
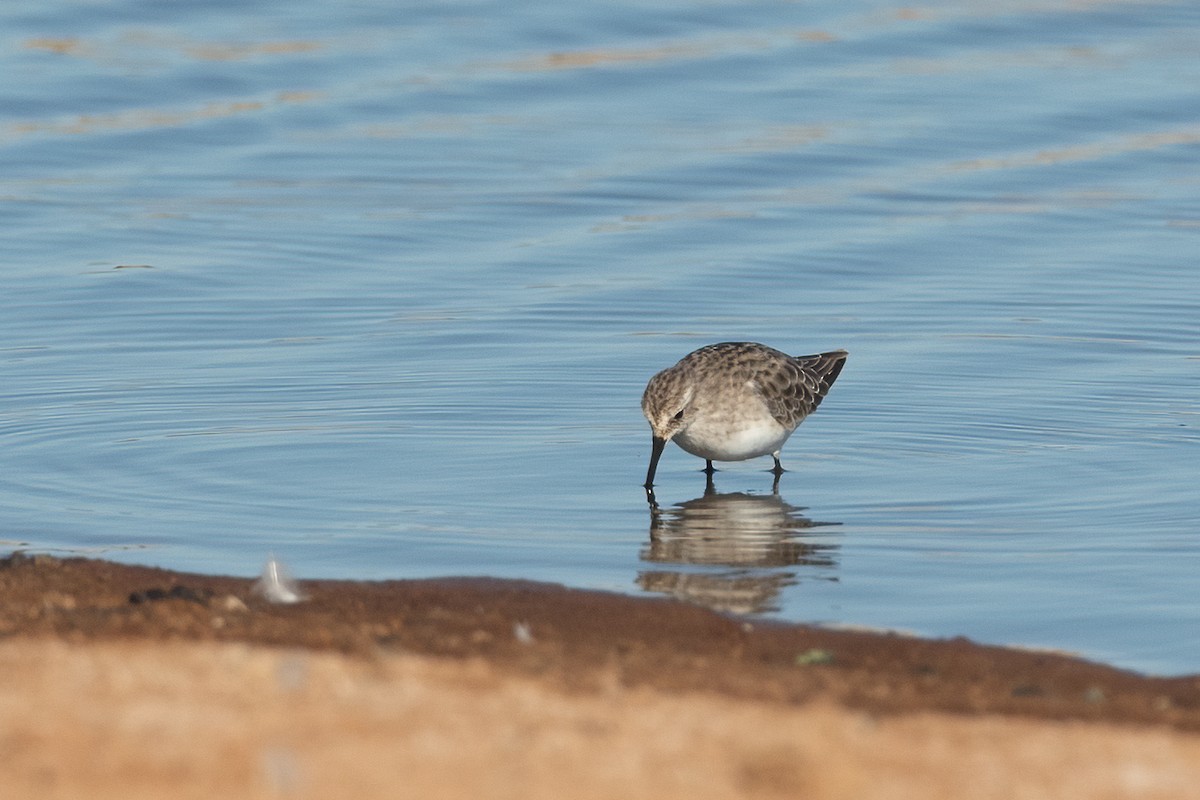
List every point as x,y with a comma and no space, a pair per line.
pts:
232,603
522,632
276,585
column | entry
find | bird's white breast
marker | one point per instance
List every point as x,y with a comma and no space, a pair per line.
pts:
719,442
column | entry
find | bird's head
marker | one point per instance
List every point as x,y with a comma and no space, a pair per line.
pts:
667,403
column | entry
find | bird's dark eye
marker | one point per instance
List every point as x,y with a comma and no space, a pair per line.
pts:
679,416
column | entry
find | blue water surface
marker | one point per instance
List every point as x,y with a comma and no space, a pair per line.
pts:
376,288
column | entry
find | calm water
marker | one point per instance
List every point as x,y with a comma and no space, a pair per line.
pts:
377,288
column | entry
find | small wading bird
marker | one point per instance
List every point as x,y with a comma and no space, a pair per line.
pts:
734,401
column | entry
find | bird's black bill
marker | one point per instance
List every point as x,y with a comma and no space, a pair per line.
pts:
656,448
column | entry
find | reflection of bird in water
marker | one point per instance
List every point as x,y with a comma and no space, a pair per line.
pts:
761,537
731,593
735,529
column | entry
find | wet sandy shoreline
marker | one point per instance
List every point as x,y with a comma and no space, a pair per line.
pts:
508,688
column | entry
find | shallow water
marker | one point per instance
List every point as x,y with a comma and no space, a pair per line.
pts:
377,289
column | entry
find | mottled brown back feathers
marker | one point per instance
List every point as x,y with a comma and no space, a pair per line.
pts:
791,386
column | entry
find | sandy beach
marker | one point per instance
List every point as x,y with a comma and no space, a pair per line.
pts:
135,682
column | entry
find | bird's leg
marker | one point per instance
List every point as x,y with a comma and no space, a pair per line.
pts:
708,468
777,471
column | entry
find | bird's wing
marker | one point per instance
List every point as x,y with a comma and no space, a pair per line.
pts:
793,388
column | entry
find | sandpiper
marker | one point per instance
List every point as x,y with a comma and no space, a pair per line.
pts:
735,400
